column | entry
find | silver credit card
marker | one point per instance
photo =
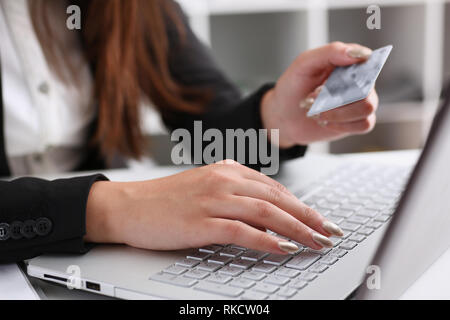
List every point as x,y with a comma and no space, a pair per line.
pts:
349,84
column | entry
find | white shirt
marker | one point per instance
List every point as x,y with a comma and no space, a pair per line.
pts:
45,119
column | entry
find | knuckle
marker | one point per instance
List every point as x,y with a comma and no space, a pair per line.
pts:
298,228
309,213
233,230
261,239
274,194
263,209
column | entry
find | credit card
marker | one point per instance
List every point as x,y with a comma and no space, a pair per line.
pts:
349,84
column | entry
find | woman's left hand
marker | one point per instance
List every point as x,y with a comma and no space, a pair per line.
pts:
285,106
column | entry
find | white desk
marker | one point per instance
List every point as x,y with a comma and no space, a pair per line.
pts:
433,284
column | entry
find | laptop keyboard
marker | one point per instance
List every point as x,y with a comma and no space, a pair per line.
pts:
360,198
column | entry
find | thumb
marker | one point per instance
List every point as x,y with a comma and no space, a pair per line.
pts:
324,59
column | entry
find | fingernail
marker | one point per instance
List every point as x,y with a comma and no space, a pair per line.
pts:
307,103
322,123
359,53
288,247
322,240
318,89
332,228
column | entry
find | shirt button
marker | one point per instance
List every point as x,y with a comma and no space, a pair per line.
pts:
44,88
43,227
28,229
4,231
15,230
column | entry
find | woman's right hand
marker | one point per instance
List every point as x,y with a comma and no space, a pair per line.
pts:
221,203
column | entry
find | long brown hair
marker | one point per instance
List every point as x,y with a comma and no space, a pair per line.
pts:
126,42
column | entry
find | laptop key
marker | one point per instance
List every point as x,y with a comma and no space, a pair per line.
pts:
175,270
335,220
196,274
298,284
208,266
242,283
357,237
188,263
318,268
230,252
358,219
351,206
254,255
366,231
242,263
367,213
336,241
276,280
219,278
287,292
303,260
307,276
374,224
198,255
276,259
337,252
220,289
265,287
286,272
232,271
174,280
223,260
264,267
322,251
210,249
342,213
382,218
254,275
348,245
329,260
349,226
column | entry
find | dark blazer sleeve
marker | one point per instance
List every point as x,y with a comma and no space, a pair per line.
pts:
39,216
192,64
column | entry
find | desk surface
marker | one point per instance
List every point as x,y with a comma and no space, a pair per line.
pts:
301,172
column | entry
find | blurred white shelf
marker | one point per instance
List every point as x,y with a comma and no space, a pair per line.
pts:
222,7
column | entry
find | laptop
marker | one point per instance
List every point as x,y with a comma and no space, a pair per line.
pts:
396,221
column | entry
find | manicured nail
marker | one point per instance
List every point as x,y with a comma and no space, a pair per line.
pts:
318,89
359,53
307,103
322,240
288,247
332,228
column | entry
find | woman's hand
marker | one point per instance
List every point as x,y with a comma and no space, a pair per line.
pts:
285,106
221,203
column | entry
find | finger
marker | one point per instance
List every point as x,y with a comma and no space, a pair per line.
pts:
357,127
356,111
241,234
291,205
251,210
323,60
251,174
307,103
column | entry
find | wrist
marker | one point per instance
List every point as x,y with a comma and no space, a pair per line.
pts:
271,119
103,213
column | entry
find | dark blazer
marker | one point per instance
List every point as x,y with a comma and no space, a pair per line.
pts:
39,216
